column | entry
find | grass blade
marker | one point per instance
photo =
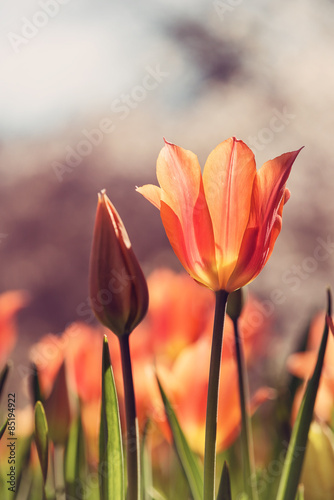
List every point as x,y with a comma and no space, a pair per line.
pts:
3,428
224,492
42,438
75,459
111,466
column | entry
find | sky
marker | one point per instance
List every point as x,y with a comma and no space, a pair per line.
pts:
197,72
64,59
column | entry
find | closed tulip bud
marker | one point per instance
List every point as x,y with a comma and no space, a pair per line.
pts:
118,289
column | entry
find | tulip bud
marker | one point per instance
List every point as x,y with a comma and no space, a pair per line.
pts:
118,289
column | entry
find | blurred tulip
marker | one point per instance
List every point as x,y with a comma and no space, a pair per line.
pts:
179,313
79,347
118,289
187,389
317,475
302,364
57,408
10,303
48,356
222,226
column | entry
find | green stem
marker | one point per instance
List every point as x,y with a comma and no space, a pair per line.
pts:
132,435
212,402
246,429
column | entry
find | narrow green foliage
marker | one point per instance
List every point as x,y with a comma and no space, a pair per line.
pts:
224,492
3,428
296,451
41,438
154,494
75,459
111,465
300,494
3,376
146,468
187,458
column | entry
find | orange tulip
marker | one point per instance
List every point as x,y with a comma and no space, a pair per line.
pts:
119,295
222,225
10,303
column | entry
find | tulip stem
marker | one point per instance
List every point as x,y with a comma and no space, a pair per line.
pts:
246,429
132,433
212,402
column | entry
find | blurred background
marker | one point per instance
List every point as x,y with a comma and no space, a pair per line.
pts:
89,89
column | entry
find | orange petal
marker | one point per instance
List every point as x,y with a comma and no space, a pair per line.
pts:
183,204
228,182
151,193
268,197
302,364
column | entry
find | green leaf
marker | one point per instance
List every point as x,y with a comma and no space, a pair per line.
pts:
296,451
300,494
187,458
224,492
75,460
146,469
154,494
35,387
41,438
111,465
3,428
3,376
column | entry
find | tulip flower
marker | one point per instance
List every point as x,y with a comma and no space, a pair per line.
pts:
222,225
118,288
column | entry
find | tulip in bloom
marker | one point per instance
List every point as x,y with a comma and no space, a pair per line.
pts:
118,288
222,225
